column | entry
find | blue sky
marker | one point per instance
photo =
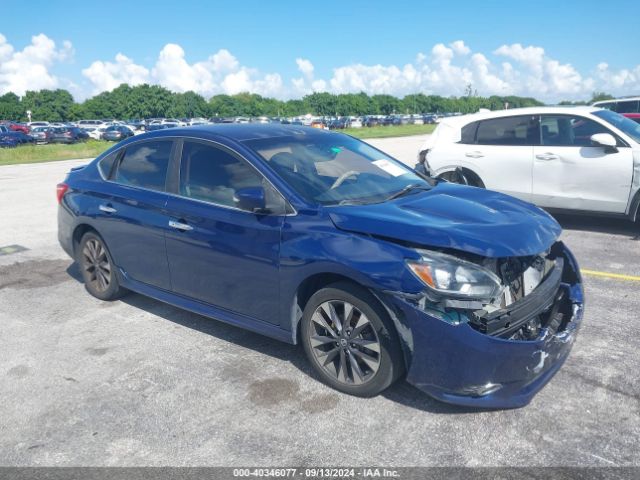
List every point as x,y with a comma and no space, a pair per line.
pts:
563,46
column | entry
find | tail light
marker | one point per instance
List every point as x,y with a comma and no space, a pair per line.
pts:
61,189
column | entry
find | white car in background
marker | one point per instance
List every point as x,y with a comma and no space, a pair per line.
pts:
569,158
355,122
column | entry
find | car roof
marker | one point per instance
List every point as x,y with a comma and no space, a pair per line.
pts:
616,100
236,131
460,120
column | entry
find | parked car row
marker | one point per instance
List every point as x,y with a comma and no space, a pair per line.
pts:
42,132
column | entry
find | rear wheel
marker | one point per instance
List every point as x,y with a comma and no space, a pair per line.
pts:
97,268
350,340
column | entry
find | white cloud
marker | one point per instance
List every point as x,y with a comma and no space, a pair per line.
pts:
305,67
460,48
219,73
108,75
28,69
174,72
445,69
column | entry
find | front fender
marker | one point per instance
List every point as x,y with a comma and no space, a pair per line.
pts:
315,246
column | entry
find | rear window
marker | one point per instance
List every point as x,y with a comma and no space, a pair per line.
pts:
106,164
145,165
521,130
468,134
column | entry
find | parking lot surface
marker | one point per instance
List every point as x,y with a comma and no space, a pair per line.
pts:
138,382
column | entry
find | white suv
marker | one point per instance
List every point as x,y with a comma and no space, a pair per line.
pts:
575,158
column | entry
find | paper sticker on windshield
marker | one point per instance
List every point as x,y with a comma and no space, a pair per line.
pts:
390,168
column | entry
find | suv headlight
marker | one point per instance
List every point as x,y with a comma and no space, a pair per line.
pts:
453,277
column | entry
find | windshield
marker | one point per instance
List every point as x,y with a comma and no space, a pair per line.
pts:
623,124
335,169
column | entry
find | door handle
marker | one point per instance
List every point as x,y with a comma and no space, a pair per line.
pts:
107,209
180,226
474,154
547,156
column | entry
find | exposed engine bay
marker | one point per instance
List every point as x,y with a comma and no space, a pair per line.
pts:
534,297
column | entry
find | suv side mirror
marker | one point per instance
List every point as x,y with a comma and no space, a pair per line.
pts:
251,199
605,140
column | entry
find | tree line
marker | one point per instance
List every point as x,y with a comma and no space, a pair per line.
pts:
150,101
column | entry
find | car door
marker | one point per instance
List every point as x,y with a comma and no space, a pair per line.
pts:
498,150
218,253
131,216
504,149
571,173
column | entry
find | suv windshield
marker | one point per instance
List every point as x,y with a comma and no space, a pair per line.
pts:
335,169
623,124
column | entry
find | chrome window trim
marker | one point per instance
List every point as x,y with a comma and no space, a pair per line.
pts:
173,139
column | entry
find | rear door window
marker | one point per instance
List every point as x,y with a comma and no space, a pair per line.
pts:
518,130
627,106
145,165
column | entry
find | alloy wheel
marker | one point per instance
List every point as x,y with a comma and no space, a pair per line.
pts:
96,265
344,342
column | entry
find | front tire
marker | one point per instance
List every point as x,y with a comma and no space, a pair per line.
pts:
350,340
98,270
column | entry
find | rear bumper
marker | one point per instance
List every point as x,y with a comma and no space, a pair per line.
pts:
66,224
460,365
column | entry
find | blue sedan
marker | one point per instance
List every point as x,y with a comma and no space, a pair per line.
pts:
315,237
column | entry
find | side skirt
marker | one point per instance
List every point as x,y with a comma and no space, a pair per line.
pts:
204,309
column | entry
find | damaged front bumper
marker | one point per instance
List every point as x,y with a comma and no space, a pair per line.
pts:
466,365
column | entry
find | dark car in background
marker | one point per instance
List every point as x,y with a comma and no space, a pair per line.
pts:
117,133
19,137
67,135
6,141
315,237
41,135
339,123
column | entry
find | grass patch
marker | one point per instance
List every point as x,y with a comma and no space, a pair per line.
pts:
52,152
389,131
93,148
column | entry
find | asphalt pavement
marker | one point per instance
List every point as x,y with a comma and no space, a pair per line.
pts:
136,382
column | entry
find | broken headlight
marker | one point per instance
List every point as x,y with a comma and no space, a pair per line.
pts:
450,276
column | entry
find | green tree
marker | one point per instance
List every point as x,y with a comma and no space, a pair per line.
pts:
10,107
51,105
600,96
188,104
386,104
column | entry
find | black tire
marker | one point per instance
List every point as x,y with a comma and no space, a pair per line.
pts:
364,381
97,268
462,177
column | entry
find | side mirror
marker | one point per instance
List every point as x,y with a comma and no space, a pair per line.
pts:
605,140
251,199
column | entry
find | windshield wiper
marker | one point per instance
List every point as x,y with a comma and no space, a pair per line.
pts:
352,201
407,189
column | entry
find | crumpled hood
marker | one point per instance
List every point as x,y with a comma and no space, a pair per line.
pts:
464,218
